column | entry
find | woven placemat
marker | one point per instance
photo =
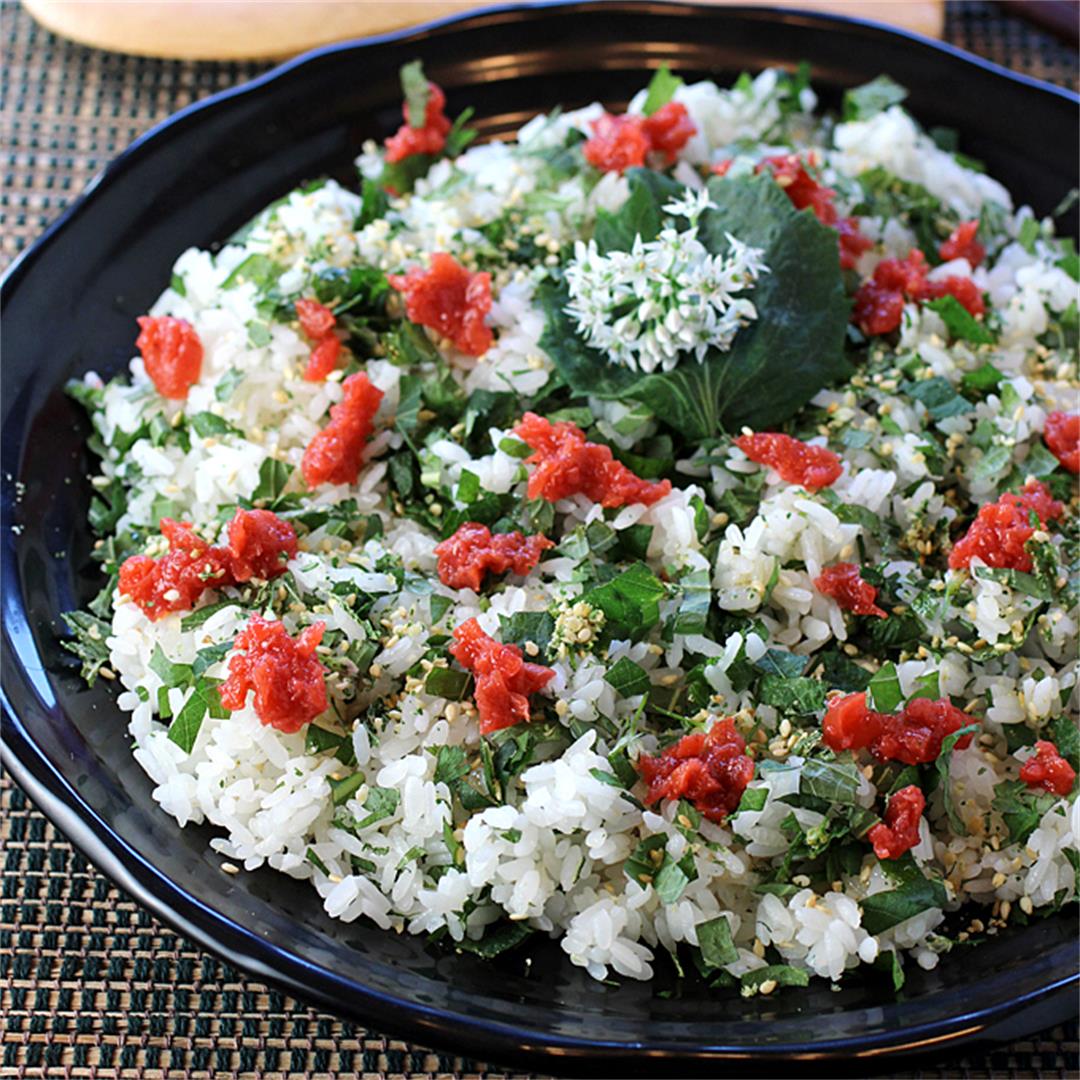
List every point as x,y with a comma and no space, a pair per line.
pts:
90,984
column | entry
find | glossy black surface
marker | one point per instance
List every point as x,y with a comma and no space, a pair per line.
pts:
69,305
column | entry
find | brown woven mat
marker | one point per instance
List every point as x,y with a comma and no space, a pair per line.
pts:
90,984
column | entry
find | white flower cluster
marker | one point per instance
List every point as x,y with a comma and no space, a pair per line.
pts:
665,298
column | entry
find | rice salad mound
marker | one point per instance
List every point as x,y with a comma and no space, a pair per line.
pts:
688,572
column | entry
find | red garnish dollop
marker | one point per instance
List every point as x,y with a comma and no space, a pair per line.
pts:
450,300
172,354
913,736
335,455
844,583
566,464
710,769
1062,436
796,462
963,289
852,242
899,832
963,245
1048,770
619,143
260,544
475,551
323,359
428,139
318,322
176,580
504,679
289,682
879,301
789,171
668,130
1001,530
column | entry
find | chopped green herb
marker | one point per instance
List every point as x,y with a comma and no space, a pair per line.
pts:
628,678
662,87
715,942
88,645
871,98
883,690
943,764
960,322
780,974
448,683
417,91
343,790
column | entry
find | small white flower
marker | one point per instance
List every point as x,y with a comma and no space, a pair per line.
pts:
666,298
691,206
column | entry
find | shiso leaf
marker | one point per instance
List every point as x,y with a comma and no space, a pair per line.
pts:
939,396
883,691
776,364
628,678
753,799
1021,808
451,765
273,476
914,894
448,683
640,215
184,729
380,803
1065,735
715,942
781,974
943,764
673,877
499,938
890,962
414,85
796,695
630,602
871,98
526,626
778,662
88,643
834,781
960,323
662,87
343,790
640,865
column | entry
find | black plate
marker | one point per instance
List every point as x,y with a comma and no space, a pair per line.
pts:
69,305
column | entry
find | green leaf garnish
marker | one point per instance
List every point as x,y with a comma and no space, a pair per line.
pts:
871,98
960,323
662,87
417,91
776,364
